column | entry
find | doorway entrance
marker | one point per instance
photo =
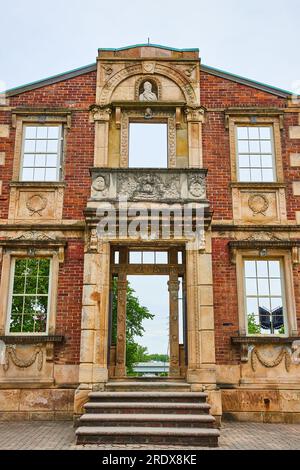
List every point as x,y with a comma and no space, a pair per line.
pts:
147,312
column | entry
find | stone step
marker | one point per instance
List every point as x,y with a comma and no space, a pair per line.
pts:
154,435
147,407
143,385
146,396
147,420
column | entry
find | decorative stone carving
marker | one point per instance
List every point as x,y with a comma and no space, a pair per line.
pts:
148,67
100,113
36,204
101,184
10,354
257,356
149,186
108,69
258,203
195,114
262,236
296,352
148,113
196,185
147,94
34,235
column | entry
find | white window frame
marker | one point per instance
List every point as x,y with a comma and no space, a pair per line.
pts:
270,126
10,296
283,283
59,152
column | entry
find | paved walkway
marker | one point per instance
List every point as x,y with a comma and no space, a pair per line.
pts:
60,435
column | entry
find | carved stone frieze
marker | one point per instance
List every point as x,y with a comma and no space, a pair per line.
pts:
257,356
148,185
22,362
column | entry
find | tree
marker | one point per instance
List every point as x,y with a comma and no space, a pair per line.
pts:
135,314
253,327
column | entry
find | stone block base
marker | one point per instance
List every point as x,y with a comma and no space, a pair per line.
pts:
44,404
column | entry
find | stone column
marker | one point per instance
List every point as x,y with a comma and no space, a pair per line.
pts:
200,317
173,285
195,118
120,369
93,369
101,117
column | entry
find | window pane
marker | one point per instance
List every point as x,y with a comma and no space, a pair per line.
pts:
39,174
162,257
135,257
243,146
265,146
267,161
253,132
40,160
29,146
52,145
275,287
148,257
250,270
51,174
255,161
254,146
255,174
244,161
263,287
53,132
30,132
251,288
252,306
242,132
28,159
274,268
265,132
27,174
41,146
262,268
51,160
268,175
244,175
42,132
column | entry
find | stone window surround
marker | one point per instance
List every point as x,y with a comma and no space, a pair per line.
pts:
6,287
288,295
38,117
134,116
233,120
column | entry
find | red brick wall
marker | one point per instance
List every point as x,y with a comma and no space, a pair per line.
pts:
68,318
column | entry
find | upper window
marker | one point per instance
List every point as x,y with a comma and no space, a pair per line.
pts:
255,153
41,159
29,296
148,145
264,297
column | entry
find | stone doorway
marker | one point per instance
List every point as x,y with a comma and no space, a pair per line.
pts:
169,264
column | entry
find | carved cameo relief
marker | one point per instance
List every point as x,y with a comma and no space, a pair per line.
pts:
36,204
146,92
101,184
196,185
258,203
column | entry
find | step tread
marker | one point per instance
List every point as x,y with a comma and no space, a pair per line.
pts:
147,384
145,417
148,394
145,405
135,430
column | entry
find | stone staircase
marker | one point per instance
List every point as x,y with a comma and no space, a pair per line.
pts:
147,413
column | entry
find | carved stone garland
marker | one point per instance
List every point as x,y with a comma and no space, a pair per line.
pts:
126,115
10,353
255,355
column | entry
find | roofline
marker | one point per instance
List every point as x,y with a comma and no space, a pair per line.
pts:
158,46
246,81
93,67
50,80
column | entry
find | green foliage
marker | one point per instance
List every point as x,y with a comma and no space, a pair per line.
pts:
253,327
135,314
157,357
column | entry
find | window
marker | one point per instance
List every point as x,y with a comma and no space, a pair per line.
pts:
148,257
264,297
148,145
41,153
29,297
255,153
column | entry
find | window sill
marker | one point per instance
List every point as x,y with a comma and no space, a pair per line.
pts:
263,339
38,184
257,184
31,339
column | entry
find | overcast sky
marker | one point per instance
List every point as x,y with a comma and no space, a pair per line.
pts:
257,39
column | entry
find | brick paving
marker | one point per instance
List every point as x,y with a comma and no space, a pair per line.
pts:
60,435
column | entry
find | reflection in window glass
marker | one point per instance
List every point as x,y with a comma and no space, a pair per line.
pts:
255,153
264,297
30,296
41,153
